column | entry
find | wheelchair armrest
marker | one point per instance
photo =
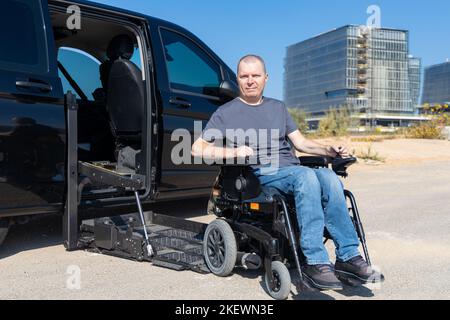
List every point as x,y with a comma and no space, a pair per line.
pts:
235,162
340,165
315,162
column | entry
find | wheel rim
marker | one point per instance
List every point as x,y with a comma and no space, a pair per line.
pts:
216,248
276,278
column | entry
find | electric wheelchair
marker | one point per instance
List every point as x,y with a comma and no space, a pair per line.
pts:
257,227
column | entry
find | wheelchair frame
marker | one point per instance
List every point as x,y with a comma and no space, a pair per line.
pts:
262,220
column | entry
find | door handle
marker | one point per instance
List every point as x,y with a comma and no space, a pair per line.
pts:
44,87
179,102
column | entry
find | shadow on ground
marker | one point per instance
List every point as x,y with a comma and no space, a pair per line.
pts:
303,293
40,232
46,230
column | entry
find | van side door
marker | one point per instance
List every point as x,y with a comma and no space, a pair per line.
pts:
32,116
189,76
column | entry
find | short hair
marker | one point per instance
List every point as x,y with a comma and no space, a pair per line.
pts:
252,57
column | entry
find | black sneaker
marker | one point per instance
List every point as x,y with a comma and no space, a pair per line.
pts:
357,268
321,277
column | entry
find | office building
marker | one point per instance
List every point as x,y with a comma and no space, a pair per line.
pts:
367,69
436,87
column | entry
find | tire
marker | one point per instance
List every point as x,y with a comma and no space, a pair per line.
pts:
4,227
220,248
283,279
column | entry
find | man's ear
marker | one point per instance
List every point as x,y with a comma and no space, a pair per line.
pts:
267,77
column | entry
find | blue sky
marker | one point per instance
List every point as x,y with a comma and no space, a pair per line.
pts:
233,28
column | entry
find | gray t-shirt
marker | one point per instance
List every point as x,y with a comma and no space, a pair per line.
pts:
264,128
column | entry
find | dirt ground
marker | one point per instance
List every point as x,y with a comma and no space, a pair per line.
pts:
397,151
404,206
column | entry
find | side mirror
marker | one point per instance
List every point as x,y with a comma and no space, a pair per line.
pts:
228,89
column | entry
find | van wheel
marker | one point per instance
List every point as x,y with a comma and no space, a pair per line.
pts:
220,248
282,279
4,227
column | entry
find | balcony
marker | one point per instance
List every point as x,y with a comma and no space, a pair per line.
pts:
362,52
362,71
363,66
362,81
362,40
362,62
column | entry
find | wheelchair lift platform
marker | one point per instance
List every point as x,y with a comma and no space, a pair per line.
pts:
165,241
176,243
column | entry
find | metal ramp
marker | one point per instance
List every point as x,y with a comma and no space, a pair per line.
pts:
145,236
124,237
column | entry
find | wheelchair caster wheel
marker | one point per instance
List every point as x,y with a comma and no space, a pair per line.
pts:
220,248
282,279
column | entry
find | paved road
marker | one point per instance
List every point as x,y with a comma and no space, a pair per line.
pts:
405,209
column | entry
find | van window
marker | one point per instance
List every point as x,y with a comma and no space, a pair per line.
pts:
136,58
83,68
189,68
23,44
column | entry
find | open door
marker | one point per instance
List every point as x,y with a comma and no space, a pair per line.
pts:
32,122
104,66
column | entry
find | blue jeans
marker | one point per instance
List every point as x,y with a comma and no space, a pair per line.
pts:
320,202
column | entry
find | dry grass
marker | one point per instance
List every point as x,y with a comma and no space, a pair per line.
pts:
369,154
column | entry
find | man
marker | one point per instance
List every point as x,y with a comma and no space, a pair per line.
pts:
319,196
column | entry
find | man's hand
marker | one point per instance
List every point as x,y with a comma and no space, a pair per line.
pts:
243,152
335,151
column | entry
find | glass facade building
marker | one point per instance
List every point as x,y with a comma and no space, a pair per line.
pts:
436,87
365,68
415,67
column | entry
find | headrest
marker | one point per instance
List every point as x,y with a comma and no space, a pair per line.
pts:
120,46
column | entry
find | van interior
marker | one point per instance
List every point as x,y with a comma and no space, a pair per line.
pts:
102,64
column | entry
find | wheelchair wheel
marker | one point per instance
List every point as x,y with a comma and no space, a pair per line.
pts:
220,248
282,281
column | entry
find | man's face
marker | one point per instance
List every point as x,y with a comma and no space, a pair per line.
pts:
252,80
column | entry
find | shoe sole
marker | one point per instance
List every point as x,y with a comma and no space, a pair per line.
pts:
320,286
353,276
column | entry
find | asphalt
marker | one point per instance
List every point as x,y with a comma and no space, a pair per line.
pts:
405,211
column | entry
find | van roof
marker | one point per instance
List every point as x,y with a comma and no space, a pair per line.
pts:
108,8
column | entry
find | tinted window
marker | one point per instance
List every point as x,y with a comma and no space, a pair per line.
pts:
23,45
83,68
188,66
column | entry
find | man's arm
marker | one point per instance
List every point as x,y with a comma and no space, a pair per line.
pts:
308,146
207,150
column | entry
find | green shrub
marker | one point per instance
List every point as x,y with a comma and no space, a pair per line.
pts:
299,116
431,129
427,130
335,123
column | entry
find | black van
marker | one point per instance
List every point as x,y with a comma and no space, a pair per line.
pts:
136,79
